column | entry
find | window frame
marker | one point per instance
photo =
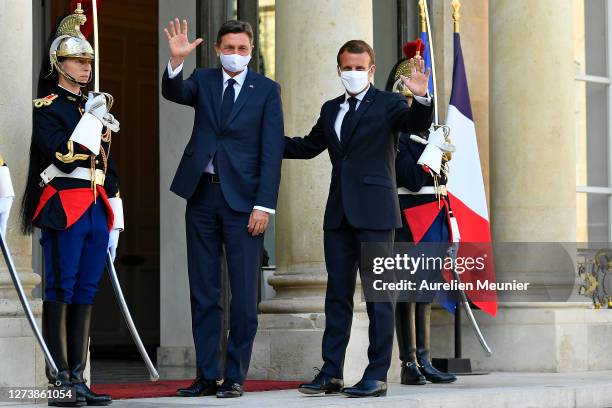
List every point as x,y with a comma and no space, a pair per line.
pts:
607,81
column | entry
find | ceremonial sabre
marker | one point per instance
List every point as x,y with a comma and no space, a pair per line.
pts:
94,7
154,376
453,249
108,120
26,307
452,253
423,4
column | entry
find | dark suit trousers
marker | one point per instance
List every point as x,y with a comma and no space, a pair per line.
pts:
210,222
342,255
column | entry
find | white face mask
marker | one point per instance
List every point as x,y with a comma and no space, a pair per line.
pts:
355,81
235,62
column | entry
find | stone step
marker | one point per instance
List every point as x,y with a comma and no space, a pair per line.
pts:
516,390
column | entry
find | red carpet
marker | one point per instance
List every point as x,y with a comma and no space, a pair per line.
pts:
168,388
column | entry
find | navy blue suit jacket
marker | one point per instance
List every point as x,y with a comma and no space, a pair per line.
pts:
249,148
363,184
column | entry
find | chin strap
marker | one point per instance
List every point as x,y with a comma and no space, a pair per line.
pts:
74,81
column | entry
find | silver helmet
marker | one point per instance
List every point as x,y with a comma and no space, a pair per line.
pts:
70,43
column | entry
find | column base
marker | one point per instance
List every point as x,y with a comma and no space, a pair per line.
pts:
525,337
176,363
532,337
23,363
288,346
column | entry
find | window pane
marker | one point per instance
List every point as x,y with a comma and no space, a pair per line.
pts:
592,217
596,136
595,37
385,39
267,15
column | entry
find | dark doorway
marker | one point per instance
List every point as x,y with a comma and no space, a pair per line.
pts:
128,64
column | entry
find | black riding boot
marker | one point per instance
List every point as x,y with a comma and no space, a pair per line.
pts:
79,319
406,340
54,333
423,332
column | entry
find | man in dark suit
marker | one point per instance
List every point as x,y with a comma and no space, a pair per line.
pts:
229,174
359,129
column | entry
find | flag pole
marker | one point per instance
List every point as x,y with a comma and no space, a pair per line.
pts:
458,346
456,5
424,14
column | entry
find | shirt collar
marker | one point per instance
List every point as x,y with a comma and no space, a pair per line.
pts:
238,78
359,96
70,92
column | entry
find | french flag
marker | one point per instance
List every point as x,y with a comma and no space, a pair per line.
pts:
466,187
427,59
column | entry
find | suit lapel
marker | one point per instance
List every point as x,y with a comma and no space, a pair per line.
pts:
215,87
363,107
245,91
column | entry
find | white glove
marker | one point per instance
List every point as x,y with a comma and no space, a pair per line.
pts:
97,105
117,205
5,209
113,241
89,129
6,197
88,132
435,146
6,185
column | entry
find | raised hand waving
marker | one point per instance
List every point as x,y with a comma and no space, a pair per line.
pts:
178,42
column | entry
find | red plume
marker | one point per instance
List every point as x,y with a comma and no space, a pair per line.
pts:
87,28
410,48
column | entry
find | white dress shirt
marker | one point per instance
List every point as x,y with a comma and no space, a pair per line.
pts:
210,168
344,106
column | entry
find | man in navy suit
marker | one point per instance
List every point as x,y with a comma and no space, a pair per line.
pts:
359,129
229,174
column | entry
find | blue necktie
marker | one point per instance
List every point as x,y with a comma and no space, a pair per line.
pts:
228,101
226,109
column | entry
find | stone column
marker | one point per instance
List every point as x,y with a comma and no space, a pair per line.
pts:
176,354
533,187
308,36
22,362
532,121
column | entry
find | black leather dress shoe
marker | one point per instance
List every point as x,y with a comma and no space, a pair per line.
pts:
199,388
230,389
322,384
366,388
411,375
435,376
92,399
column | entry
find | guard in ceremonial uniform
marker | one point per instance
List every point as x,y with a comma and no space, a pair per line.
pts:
7,194
73,196
425,218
